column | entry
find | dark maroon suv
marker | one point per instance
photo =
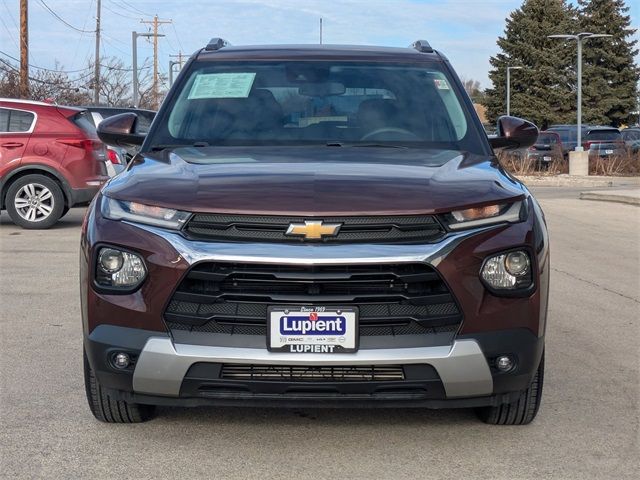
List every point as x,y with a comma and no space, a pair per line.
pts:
315,226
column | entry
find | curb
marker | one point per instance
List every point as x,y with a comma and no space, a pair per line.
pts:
610,197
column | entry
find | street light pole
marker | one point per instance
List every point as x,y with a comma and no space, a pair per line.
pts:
580,38
134,62
509,87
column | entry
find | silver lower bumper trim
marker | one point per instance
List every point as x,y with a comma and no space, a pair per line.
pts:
162,364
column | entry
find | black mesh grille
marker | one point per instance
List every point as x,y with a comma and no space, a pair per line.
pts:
387,229
274,373
393,299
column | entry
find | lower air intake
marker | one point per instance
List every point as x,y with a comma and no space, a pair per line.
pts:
276,373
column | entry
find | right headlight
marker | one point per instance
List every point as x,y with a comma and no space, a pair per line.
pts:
486,215
114,209
508,271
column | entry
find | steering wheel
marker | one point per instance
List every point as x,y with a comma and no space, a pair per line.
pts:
401,131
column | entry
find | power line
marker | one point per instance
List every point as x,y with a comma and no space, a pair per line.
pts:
43,68
177,36
62,19
129,7
120,14
8,65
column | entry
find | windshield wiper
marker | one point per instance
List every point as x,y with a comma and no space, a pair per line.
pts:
368,145
157,148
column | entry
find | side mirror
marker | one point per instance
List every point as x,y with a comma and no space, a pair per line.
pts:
120,130
514,133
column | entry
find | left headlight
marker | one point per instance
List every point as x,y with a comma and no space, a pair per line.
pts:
118,269
137,212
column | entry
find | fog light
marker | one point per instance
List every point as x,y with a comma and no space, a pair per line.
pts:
504,363
110,260
121,360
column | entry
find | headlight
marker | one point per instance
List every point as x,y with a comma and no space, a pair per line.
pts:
118,269
487,215
508,271
137,212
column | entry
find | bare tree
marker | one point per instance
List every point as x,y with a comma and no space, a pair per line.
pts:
473,89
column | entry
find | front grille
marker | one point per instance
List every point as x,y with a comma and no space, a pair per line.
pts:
385,229
393,299
274,373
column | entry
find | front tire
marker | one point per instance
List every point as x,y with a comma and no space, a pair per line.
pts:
34,202
523,410
108,409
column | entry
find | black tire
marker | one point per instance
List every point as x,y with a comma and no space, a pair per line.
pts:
523,410
108,409
54,203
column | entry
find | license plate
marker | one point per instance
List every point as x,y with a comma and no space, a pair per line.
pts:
316,329
546,159
609,152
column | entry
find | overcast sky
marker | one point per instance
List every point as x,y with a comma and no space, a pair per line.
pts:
465,30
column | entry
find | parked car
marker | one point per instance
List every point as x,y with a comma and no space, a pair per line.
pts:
631,137
568,136
274,243
119,156
603,142
547,148
50,160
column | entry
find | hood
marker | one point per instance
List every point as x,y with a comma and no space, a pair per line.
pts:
311,181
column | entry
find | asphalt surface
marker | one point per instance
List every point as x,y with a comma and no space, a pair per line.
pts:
587,427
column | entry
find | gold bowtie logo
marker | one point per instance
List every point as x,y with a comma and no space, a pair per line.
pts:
313,230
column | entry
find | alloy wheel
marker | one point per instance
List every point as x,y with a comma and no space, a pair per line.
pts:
34,202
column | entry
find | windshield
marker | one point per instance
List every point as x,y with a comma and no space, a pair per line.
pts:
604,135
546,139
297,103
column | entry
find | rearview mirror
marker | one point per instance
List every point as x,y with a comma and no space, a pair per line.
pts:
514,133
120,130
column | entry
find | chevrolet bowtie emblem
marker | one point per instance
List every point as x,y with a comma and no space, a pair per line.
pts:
313,230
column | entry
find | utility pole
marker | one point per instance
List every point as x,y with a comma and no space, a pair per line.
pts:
320,30
134,61
96,67
24,49
155,22
179,56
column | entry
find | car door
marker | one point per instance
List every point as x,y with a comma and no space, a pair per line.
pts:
15,130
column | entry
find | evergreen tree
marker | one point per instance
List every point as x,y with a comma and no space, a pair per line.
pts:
609,76
542,90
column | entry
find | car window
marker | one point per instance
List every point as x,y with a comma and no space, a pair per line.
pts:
286,103
604,135
15,121
84,121
547,139
631,135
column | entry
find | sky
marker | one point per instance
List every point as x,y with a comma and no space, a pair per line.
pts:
464,30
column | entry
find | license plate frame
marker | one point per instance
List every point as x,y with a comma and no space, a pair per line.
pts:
316,342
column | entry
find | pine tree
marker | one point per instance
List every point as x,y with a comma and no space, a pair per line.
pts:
542,90
609,75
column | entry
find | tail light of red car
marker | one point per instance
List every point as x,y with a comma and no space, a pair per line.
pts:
113,156
93,147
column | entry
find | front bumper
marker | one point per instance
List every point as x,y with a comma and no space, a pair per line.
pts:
169,373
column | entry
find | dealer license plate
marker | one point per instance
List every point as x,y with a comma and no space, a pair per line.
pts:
546,159
317,329
609,152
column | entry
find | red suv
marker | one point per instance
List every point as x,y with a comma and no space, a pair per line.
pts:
50,160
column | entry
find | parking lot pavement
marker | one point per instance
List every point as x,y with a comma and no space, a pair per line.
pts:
588,425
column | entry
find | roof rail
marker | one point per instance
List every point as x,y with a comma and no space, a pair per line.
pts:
422,46
216,44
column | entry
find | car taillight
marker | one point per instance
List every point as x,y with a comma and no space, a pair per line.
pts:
113,157
94,147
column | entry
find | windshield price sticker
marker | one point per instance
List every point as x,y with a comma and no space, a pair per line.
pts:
441,84
297,329
222,85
